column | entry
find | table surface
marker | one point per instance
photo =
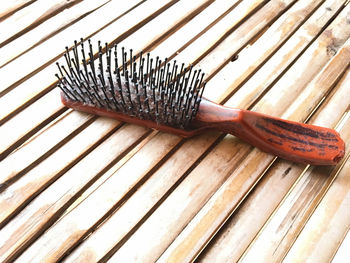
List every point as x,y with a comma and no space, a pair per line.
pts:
82,188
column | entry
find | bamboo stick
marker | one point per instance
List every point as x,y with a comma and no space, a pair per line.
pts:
270,60
53,135
343,251
202,44
128,176
318,240
26,123
26,93
46,29
29,17
87,168
280,232
194,28
9,7
141,202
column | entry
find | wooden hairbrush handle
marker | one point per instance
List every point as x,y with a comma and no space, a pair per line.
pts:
290,140
299,142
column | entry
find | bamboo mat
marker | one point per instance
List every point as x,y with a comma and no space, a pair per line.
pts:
80,188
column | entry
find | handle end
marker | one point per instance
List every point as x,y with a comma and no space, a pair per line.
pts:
299,142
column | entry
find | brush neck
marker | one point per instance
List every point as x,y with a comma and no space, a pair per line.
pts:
214,116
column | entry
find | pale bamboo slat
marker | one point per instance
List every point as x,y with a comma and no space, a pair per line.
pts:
55,134
30,17
42,211
26,123
230,41
318,240
11,6
343,251
282,59
47,28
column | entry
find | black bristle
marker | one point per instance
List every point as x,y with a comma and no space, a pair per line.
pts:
141,62
115,58
198,98
96,90
131,62
143,87
123,62
103,88
131,107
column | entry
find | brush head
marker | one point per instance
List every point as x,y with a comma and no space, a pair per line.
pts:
141,87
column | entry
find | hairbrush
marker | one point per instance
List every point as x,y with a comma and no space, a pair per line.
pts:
168,97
